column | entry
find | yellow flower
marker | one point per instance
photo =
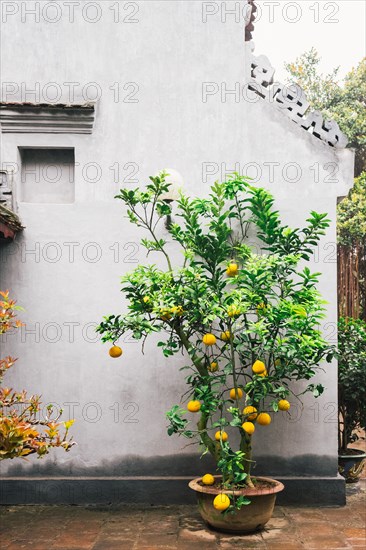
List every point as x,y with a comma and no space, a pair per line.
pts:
69,423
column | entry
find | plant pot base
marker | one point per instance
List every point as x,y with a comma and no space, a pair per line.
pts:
252,517
350,465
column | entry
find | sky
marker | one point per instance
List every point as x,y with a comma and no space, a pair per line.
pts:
286,29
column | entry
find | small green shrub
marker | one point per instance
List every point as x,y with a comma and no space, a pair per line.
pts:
351,379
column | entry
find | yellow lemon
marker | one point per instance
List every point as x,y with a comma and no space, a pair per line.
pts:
236,394
208,479
250,412
213,367
193,406
264,419
226,336
221,435
259,367
221,502
232,269
248,427
115,351
146,299
284,405
265,373
209,339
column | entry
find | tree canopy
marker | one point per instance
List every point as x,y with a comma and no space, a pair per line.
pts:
352,214
341,100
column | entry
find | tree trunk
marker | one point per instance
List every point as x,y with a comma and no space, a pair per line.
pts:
212,446
246,447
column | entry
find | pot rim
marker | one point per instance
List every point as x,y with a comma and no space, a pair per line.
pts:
247,491
357,455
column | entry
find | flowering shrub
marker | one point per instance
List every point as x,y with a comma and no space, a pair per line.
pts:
21,431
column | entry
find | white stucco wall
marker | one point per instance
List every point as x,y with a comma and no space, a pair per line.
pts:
168,55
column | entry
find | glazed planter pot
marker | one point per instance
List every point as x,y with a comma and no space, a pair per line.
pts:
251,517
351,464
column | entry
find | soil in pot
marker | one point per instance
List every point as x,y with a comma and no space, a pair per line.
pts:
249,518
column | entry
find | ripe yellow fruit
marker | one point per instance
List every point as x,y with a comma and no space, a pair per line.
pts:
261,308
177,310
232,269
236,394
259,367
250,412
165,315
209,339
264,419
213,367
115,351
284,405
221,502
208,479
248,427
265,373
193,406
146,299
226,336
233,311
221,435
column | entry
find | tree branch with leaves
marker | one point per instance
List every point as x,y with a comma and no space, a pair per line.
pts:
247,323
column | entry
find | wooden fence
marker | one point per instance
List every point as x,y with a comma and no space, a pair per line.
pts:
352,281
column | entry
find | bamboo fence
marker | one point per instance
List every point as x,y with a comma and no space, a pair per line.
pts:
352,281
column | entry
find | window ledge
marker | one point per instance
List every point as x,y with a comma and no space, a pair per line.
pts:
44,118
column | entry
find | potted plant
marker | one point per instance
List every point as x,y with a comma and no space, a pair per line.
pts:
248,325
351,395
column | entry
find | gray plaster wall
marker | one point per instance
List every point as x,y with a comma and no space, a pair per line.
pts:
65,267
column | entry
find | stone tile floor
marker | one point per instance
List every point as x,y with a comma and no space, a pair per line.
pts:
179,527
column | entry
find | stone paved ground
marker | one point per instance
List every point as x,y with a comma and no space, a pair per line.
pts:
178,527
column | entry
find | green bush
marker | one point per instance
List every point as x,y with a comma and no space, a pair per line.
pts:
351,379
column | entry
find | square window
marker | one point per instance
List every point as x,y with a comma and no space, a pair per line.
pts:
47,175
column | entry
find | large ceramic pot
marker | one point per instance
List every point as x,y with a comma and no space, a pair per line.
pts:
250,518
350,464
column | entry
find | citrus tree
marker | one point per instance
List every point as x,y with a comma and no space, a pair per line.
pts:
22,430
247,323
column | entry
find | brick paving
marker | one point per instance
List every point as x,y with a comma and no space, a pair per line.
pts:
179,528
